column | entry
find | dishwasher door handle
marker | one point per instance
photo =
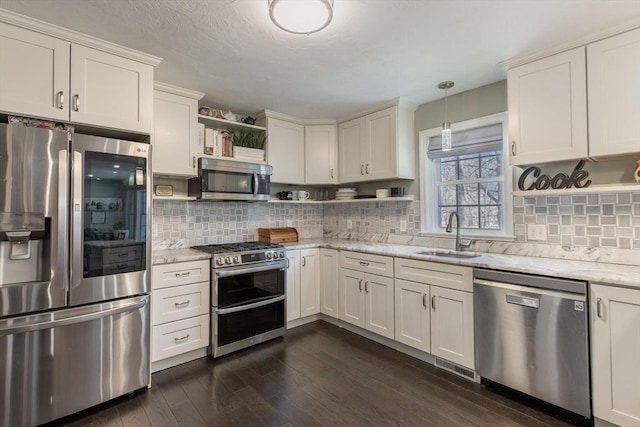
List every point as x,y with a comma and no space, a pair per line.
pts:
524,301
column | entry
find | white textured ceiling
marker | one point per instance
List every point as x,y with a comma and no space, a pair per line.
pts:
373,51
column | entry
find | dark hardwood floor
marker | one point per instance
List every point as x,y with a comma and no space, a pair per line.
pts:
318,374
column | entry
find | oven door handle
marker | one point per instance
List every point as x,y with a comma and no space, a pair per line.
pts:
245,270
250,306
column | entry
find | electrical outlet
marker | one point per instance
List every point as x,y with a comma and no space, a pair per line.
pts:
537,232
289,223
403,226
349,224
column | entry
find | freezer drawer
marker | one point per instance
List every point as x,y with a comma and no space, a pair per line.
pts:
58,363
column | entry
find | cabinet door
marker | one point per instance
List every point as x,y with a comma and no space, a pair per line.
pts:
379,305
111,91
615,352
34,73
293,285
412,314
613,78
329,277
452,326
351,140
309,282
174,134
320,150
285,151
381,137
548,109
351,301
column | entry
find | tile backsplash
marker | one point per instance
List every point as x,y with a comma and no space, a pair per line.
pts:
201,223
597,226
608,220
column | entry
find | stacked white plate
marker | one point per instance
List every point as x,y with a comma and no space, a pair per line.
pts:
346,193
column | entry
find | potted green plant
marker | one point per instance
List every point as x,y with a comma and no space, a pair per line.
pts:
249,144
119,231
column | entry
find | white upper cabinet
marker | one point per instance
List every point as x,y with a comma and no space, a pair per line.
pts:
613,80
175,134
576,104
111,91
377,146
71,77
321,154
34,73
548,109
285,151
351,141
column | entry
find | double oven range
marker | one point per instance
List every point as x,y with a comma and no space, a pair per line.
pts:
248,283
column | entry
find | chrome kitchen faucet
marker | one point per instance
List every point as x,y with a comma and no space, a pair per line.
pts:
459,245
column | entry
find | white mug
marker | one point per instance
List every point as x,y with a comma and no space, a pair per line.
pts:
303,195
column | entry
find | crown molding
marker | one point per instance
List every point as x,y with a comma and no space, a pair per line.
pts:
395,102
33,24
572,44
187,93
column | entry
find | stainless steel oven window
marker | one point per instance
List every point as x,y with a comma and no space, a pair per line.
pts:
236,286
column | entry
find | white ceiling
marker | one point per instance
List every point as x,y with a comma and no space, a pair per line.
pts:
373,51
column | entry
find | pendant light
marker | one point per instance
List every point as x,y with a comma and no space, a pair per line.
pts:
446,126
301,16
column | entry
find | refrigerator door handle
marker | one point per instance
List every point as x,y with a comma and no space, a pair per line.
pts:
62,248
50,324
76,219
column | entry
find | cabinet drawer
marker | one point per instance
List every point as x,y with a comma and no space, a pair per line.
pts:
179,337
124,253
433,273
179,302
180,273
373,264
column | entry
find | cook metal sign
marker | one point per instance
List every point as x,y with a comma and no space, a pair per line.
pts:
577,179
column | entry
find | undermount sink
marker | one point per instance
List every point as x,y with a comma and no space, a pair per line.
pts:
450,254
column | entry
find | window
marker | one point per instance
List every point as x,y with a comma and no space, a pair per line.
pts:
469,179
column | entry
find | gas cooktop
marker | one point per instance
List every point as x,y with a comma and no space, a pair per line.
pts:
224,248
230,254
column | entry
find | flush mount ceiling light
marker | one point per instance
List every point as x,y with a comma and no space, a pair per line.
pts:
446,126
301,16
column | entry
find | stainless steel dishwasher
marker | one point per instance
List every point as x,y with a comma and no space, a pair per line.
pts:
531,335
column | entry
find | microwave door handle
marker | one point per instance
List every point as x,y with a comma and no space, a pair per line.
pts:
255,183
76,220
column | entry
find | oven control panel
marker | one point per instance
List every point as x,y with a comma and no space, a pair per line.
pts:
226,260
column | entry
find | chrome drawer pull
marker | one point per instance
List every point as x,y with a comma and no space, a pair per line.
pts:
433,303
424,300
360,285
366,286
182,304
598,308
76,102
364,263
181,339
60,100
182,275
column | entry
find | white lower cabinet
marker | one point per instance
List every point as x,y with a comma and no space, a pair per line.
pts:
365,299
303,283
309,282
413,324
615,354
180,301
293,285
434,309
329,278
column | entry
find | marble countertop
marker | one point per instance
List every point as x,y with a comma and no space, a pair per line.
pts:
614,274
168,256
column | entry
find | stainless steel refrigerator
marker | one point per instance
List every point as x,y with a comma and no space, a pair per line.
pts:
74,272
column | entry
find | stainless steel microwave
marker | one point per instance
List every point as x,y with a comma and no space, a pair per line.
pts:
222,179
